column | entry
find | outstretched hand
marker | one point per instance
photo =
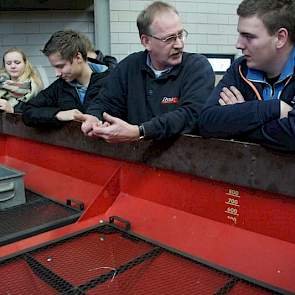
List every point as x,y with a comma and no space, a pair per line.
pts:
88,122
67,115
115,130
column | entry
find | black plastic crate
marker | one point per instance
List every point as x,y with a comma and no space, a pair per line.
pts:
37,215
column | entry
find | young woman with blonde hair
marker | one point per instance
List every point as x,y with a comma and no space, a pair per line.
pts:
19,81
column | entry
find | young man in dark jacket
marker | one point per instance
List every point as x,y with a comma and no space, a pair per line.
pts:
255,99
153,94
96,56
77,84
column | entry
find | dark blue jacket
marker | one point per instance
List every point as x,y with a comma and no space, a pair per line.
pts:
59,96
167,106
254,120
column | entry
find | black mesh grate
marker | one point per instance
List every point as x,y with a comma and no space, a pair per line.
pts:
37,215
106,261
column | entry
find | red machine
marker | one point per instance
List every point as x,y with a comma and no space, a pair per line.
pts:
185,216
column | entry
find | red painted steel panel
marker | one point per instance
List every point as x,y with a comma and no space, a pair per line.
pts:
258,211
254,255
247,231
84,166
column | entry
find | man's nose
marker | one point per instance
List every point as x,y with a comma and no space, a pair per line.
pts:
57,72
179,43
240,43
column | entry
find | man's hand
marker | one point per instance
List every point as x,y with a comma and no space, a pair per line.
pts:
88,122
67,115
230,96
285,109
115,130
6,106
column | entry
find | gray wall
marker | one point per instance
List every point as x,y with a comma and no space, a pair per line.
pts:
211,25
30,31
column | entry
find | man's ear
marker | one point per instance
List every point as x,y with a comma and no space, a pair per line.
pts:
282,35
79,58
145,41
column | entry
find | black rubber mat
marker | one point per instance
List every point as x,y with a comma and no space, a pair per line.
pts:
37,215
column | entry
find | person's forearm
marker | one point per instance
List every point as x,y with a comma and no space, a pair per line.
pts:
234,120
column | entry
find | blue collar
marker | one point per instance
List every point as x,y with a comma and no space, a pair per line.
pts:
259,76
97,68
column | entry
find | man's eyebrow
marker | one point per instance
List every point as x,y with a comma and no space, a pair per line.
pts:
246,33
178,32
59,64
173,34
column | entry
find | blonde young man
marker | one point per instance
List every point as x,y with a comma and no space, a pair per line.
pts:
77,84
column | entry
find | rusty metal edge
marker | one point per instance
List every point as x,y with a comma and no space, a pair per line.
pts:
246,164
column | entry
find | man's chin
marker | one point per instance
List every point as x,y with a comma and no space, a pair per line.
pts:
176,59
251,65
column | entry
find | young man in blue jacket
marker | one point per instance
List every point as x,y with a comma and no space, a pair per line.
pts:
156,93
255,99
78,82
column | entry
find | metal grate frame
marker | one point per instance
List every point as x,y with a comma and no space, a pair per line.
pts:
109,259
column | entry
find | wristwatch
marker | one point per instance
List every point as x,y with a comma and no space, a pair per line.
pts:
141,132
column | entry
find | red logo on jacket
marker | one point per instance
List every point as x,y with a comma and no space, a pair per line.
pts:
170,100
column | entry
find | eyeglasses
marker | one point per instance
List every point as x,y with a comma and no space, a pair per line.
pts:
172,38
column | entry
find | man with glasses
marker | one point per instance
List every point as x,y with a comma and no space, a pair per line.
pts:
154,94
